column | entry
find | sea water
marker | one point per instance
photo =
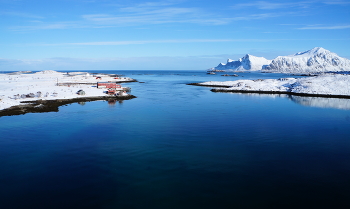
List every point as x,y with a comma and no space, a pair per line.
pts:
179,146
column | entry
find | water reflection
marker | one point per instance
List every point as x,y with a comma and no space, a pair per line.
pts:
323,102
41,106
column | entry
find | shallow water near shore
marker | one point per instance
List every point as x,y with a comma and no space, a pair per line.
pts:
179,146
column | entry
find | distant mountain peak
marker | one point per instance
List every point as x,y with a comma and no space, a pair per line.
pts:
246,63
314,60
314,51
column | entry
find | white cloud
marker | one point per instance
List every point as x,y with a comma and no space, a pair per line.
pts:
20,14
142,14
336,27
155,15
47,26
337,2
117,63
258,16
165,12
6,62
264,5
149,13
170,41
112,43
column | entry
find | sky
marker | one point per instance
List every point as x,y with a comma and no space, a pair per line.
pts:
165,34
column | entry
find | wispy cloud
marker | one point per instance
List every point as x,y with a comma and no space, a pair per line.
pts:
336,27
167,12
155,13
150,13
257,16
264,5
48,26
4,62
337,2
114,63
171,41
112,43
20,14
161,12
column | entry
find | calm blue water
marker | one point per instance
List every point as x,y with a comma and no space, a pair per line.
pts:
179,146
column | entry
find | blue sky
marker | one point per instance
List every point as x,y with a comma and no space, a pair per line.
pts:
164,35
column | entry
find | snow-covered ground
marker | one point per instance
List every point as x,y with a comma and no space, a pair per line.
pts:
43,85
324,85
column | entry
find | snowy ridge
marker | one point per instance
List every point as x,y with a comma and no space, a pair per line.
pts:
246,63
315,60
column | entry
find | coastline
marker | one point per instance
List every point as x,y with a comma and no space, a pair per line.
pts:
330,86
281,92
39,106
23,92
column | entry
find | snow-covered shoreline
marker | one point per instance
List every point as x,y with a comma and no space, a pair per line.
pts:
45,85
324,85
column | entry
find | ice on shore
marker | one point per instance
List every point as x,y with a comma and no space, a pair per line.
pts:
327,84
15,88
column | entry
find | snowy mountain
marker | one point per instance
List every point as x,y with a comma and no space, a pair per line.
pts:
317,59
248,62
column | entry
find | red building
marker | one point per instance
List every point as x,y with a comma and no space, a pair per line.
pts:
107,85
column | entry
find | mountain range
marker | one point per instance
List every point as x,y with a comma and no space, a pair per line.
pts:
315,60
